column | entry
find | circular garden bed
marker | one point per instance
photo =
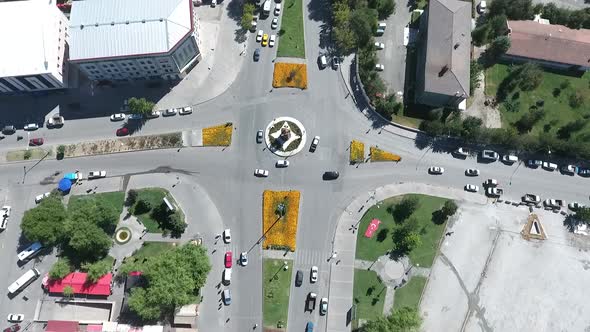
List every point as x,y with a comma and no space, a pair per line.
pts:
122,235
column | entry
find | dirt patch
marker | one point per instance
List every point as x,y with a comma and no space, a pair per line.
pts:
489,115
172,140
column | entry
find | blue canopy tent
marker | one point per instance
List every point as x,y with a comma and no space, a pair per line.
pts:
64,185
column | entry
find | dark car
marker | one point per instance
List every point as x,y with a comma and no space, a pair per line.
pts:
299,278
331,175
8,130
534,163
583,172
36,141
122,131
257,54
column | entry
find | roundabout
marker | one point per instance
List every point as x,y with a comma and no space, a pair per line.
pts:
285,136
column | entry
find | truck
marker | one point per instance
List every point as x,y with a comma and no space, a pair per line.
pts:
266,8
494,192
531,199
311,298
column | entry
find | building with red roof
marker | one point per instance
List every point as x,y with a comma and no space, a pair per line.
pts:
62,326
80,285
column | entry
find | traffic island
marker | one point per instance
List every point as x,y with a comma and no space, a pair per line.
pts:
277,284
285,136
280,213
122,235
377,154
157,210
220,135
290,75
127,144
357,152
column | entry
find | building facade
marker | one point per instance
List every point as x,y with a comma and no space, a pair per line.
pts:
134,39
33,39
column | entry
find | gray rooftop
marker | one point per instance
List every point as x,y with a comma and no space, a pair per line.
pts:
448,47
115,28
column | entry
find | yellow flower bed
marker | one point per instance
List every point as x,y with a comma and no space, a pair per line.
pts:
218,135
278,231
290,75
380,155
357,152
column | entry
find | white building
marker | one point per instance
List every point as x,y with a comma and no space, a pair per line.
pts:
33,37
134,39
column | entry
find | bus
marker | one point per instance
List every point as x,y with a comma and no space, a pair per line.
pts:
31,251
23,281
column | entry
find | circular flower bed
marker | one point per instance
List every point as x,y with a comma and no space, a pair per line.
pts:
122,235
285,136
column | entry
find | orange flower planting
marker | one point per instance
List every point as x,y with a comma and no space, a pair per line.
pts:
290,75
218,135
280,231
380,155
357,152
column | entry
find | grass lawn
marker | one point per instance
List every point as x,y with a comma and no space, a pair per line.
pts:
291,41
115,199
149,249
558,111
409,295
277,283
430,233
35,153
154,196
368,294
406,121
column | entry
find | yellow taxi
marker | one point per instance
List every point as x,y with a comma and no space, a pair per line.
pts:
265,39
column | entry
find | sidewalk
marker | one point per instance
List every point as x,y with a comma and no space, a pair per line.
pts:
342,275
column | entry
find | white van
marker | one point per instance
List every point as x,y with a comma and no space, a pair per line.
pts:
226,276
23,281
323,61
31,251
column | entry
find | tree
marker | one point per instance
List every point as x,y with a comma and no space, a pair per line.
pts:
45,222
142,207
140,106
60,269
402,210
499,46
343,35
363,22
528,120
404,241
131,197
384,7
405,319
96,270
388,106
583,214
576,99
471,127
529,76
87,240
513,9
480,35
498,26
68,291
568,129
379,324
475,69
173,277
247,16
449,208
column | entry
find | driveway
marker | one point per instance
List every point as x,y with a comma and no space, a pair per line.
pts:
393,57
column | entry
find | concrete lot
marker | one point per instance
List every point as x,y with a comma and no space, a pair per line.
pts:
488,278
82,311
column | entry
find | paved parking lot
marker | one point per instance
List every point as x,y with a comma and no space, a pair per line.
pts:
488,278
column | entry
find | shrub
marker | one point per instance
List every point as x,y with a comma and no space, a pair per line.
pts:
576,99
60,269
402,210
27,155
131,197
142,207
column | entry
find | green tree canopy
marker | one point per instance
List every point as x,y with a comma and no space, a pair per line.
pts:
61,268
45,222
87,240
402,210
96,212
405,319
140,106
96,270
362,22
247,16
499,46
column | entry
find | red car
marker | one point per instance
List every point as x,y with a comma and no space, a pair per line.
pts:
36,141
228,259
123,131
12,328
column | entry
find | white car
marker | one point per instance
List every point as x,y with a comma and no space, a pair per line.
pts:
549,166
15,318
379,67
472,188
379,45
491,183
314,143
323,306
436,170
282,163
153,115
472,172
185,110
461,152
134,116
244,258
259,36
41,197
227,235
118,117
271,42
261,172
97,174
482,7
170,112
313,277
278,9
4,214
275,23
31,126
574,206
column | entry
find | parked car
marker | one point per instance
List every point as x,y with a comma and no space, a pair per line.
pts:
244,258
227,235
254,23
489,155
41,197
509,159
118,117
55,121
331,175
379,67
265,39
36,141
311,298
534,163
461,152
170,112
583,172
226,297
472,172
259,36
335,63
261,172
298,278
575,206
472,188
135,116
314,144
257,54
97,175
185,110
554,203
278,9
323,306
531,198
313,277
4,214
379,45
494,192
8,130
436,170
271,42
122,131
569,169
481,8
13,328
31,126
153,115
491,183
275,23
15,318
549,166
259,136
309,327
282,163
228,259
